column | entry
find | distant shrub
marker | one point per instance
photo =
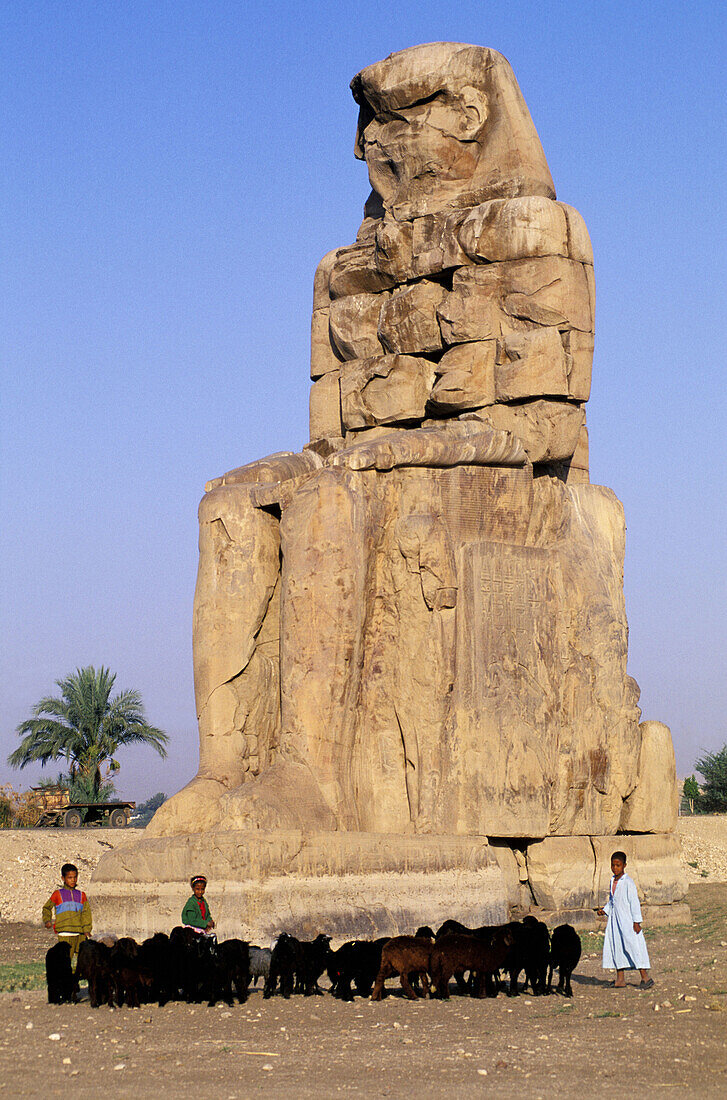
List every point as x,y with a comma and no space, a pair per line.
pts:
146,810
18,809
713,766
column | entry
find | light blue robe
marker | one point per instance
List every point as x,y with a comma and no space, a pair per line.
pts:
624,949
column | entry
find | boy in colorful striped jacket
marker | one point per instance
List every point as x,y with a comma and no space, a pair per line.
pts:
72,912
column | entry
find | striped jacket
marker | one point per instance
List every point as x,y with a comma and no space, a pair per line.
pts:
72,912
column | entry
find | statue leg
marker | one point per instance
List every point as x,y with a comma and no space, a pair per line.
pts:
323,545
235,654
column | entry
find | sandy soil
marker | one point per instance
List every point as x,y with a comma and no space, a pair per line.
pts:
673,1037
32,859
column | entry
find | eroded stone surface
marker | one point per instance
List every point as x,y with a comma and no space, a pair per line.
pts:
352,884
653,862
385,390
653,805
465,377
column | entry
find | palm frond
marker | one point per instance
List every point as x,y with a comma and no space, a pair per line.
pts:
86,726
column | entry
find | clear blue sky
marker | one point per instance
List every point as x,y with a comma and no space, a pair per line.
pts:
171,174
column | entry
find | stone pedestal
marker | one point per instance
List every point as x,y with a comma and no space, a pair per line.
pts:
349,885
369,885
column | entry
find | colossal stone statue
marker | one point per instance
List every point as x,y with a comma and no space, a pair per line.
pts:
416,626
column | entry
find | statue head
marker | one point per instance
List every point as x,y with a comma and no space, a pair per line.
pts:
444,126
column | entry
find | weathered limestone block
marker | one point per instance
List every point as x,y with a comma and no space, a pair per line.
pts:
354,324
322,279
590,787
353,884
561,871
653,805
508,864
549,430
356,438
385,390
471,312
523,677
579,463
323,355
579,240
591,281
355,272
286,796
428,152
652,860
547,290
273,472
531,364
512,229
236,582
394,249
325,406
470,444
435,246
579,357
408,323
465,377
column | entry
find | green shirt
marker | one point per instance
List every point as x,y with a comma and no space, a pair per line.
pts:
192,914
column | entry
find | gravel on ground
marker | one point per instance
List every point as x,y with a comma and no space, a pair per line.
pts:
704,847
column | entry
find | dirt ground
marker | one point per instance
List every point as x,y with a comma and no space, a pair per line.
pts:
673,1037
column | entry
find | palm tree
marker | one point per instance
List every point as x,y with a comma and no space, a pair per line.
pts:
85,727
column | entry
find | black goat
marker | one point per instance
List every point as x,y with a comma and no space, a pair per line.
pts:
157,957
194,963
457,953
529,952
297,965
284,962
454,928
62,986
314,957
565,953
94,966
133,980
231,962
356,962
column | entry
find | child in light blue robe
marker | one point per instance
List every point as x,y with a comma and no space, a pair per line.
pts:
624,946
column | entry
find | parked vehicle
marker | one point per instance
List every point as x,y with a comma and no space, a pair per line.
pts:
56,810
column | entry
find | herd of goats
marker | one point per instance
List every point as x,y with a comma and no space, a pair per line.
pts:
193,967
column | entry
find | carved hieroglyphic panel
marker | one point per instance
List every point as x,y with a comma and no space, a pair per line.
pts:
514,624
487,502
509,660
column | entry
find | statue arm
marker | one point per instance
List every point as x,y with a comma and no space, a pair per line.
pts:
461,443
272,470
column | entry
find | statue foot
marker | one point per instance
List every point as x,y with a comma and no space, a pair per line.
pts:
286,796
195,809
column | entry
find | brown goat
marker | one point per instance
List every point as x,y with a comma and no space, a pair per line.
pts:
407,956
456,953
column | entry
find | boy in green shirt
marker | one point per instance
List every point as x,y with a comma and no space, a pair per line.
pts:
196,913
